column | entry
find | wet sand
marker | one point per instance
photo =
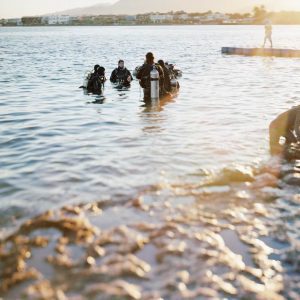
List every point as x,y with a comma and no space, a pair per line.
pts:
211,240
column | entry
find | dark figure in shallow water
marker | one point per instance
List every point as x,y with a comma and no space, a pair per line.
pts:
143,74
121,75
96,80
167,76
286,125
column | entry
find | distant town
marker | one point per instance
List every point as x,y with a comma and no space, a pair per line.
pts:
257,16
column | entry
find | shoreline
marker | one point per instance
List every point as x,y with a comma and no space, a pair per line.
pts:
145,248
145,25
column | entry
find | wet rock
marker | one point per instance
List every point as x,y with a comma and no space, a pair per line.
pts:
39,241
259,209
96,251
292,179
139,203
61,249
203,292
18,277
61,260
169,226
269,295
72,210
117,288
145,227
222,285
118,265
179,281
231,175
79,229
90,261
43,290
173,248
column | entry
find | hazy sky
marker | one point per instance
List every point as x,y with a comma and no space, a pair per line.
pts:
18,8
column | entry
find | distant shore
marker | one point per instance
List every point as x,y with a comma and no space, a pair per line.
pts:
258,16
144,25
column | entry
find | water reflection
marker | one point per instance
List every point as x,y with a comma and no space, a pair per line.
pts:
151,113
120,87
99,99
156,105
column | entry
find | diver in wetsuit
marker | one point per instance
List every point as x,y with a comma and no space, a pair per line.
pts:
143,74
96,80
121,74
286,125
167,76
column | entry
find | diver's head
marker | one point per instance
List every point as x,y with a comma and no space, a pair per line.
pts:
161,63
96,67
121,64
101,71
149,58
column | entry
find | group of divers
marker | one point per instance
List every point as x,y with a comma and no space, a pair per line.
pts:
157,79
160,79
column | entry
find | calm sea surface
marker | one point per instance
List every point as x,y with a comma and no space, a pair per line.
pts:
58,146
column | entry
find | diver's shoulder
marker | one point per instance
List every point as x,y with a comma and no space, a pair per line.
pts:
143,67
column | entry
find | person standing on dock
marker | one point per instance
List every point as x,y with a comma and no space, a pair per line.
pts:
268,33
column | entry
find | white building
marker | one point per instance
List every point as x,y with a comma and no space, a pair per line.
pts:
45,20
217,17
161,18
248,20
239,21
57,20
16,21
130,18
200,18
183,17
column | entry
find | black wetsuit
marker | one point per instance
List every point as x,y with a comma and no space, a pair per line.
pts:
167,79
143,74
96,81
120,75
285,125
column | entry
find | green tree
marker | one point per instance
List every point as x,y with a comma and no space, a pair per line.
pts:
31,20
260,12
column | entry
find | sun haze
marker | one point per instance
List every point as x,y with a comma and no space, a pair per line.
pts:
18,8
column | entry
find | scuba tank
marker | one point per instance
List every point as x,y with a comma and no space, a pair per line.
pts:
154,80
86,79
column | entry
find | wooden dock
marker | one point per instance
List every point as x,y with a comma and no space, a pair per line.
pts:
261,52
